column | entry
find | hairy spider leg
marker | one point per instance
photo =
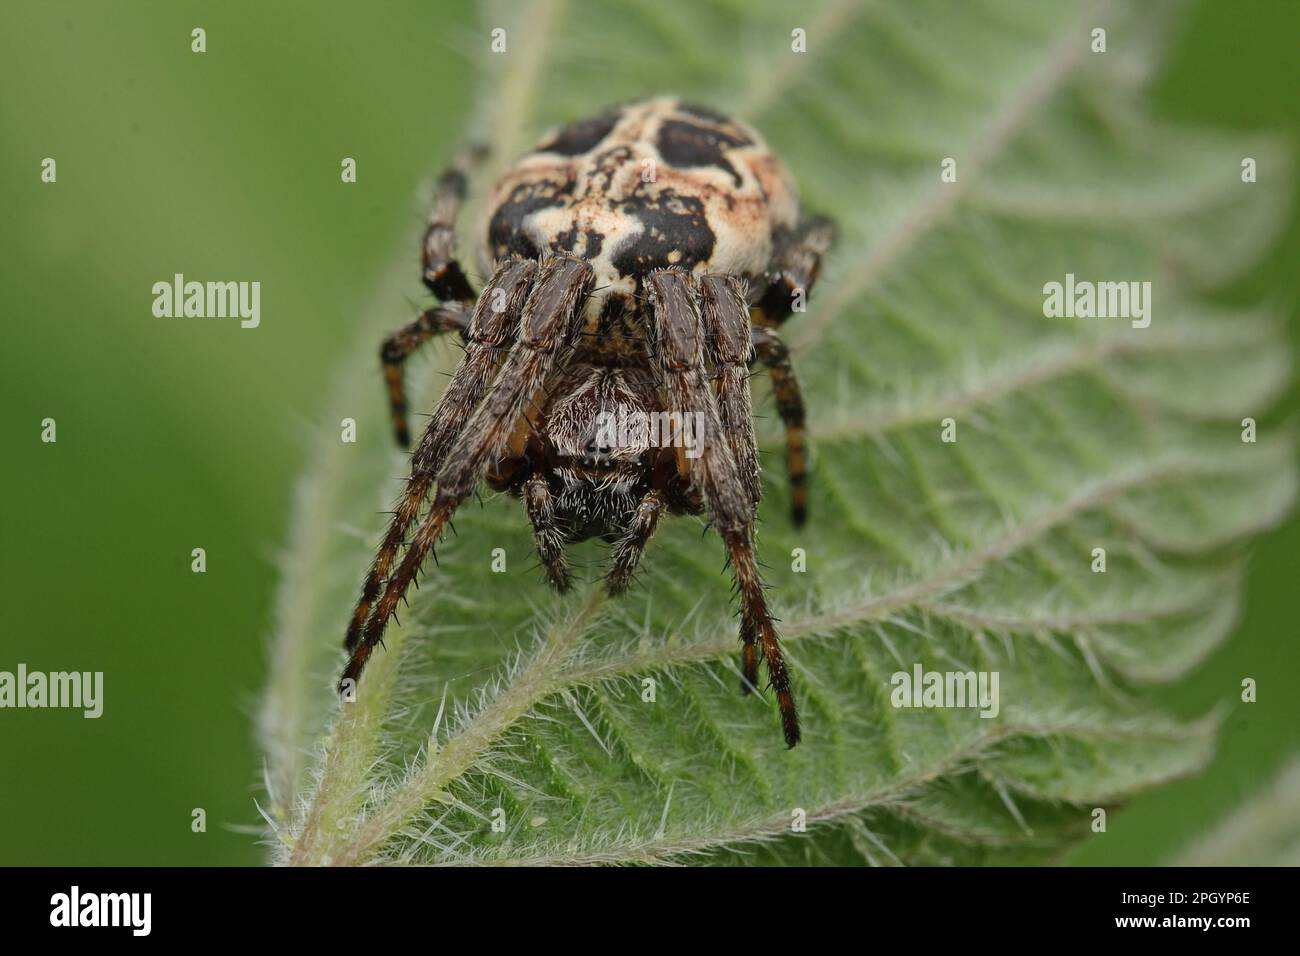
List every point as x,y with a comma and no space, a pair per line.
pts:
627,550
775,356
398,347
549,324
444,277
730,350
677,331
796,267
492,330
548,536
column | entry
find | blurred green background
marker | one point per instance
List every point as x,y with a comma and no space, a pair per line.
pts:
185,434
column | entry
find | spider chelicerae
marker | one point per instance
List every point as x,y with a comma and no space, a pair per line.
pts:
642,260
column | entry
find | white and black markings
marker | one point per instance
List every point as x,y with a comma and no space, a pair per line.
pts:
650,185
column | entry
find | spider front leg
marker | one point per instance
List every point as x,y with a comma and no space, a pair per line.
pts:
444,277
679,353
492,329
550,324
726,334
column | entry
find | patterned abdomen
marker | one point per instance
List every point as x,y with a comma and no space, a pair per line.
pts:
643,186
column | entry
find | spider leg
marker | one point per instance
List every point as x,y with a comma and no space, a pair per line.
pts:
629,548
492,329
443,276
549,324
795,268
774,354
398,347
677,330
548,536
729,348
794,272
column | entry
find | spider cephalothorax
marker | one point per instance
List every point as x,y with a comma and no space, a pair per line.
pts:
640,261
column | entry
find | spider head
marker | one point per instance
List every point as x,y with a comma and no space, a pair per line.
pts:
599,429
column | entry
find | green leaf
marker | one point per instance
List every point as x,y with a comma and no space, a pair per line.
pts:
1073,434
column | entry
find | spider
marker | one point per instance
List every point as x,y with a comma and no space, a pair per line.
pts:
643,258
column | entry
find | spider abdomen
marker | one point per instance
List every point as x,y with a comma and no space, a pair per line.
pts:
649,185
